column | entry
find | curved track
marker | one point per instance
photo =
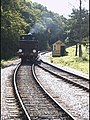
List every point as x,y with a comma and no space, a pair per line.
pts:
71,78
34,99
17,93
74,99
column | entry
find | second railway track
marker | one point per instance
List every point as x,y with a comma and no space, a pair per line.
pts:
72,78
69,95
36,103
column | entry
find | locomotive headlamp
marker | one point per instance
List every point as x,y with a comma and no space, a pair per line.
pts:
20,50
34,51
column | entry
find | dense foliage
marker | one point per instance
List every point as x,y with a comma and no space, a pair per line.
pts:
21,17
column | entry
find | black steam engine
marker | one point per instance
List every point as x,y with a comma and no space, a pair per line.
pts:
28,48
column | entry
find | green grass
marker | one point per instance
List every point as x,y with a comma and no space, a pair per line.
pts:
79,63
4,63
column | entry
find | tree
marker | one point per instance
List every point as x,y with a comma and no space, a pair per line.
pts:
19,17
11,27
78,30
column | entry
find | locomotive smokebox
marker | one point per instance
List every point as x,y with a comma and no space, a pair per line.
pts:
28,47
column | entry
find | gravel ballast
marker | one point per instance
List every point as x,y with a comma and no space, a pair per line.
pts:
7,92
73,99
56,87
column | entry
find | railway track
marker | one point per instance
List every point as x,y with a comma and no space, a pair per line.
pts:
36,102
68,94
71,78
10,107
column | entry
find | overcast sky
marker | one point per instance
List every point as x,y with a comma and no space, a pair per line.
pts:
63,7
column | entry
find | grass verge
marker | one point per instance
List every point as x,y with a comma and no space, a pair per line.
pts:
79,63
5,63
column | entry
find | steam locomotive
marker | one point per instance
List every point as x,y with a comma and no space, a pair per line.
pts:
28,48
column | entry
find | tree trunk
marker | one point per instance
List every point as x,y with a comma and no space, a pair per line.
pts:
76,50
80,51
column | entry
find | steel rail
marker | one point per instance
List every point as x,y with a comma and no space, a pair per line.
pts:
87,79
17,93
62,77
35,77
65,79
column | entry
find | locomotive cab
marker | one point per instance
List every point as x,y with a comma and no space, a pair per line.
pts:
28,48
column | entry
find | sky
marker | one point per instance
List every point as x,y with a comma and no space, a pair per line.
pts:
63,7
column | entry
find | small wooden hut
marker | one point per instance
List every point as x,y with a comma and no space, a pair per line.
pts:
58,49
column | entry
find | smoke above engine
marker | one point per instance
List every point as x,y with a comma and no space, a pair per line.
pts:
51,24
43,25
37,28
